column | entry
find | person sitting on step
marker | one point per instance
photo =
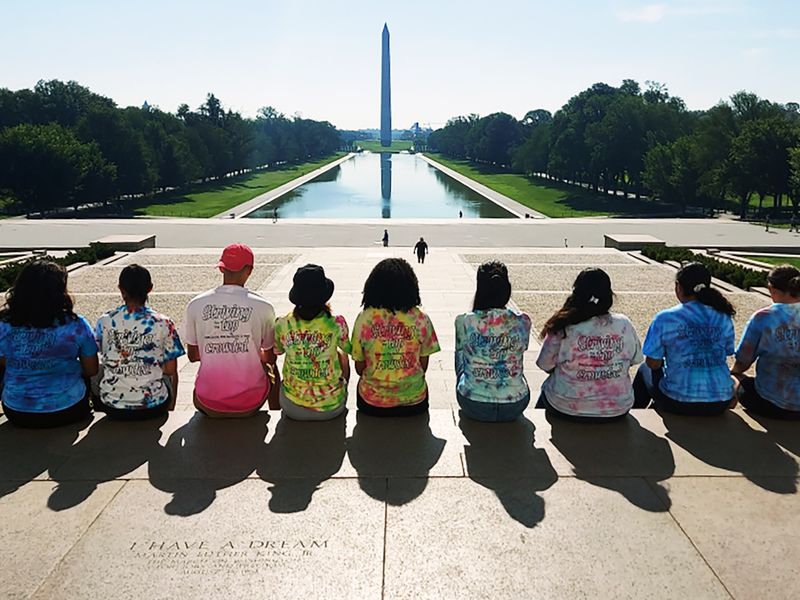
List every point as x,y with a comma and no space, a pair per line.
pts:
230,331
588,352
771,340
47,351
687,347
490,345
139,347
316,343
391,343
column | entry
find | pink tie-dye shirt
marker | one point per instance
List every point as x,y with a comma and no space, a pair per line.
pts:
230,325
589,367
391,345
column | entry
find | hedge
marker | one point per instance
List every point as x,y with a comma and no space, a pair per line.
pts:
741,277
91,255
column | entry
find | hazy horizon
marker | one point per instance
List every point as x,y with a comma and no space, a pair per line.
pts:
322,61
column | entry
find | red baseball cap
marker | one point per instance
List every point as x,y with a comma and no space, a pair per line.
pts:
236,257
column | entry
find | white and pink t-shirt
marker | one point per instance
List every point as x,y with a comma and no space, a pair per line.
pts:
589,367
230,325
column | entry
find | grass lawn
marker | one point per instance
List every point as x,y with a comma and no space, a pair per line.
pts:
375,145
776,260
552,198
215,197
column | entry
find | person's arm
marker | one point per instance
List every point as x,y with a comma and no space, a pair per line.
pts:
89,365
193,353
269,359
423,362
344,363
360,366
748,348
548,354
170,370
654,363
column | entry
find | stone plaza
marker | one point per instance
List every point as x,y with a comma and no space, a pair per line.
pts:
423,507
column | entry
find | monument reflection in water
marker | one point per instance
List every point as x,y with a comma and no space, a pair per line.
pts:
386,185
373,186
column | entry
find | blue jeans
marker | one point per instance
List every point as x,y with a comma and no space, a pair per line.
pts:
647,391
492,412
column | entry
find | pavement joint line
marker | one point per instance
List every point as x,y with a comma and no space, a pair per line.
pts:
77,540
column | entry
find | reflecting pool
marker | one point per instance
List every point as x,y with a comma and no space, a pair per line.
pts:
371,186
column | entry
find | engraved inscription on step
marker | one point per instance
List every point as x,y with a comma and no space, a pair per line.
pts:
243,556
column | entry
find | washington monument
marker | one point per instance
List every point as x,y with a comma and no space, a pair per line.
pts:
386,93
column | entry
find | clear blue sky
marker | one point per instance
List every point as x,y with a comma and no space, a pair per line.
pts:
322,59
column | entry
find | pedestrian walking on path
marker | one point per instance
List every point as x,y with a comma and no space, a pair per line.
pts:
793,224
274,214
421,249
766,223
385,237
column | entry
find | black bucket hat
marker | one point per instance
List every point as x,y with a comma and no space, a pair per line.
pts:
310,287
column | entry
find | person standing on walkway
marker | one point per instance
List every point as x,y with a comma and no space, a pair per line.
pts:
490,345
274,214
766,223
793,224
385,238
230,331
421,249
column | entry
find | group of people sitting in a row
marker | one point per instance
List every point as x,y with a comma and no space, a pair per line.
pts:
53,376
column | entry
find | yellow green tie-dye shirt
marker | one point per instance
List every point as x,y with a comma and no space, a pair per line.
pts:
312,375
391,345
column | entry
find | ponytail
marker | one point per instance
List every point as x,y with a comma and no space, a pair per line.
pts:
785,278
696,282
591,297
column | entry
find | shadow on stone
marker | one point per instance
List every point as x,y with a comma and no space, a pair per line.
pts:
207,455
608,454
298,458
785,434
27,453
401,447
109,450
728,442
502,458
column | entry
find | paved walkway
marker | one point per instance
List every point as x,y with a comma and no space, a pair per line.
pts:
435,507
183,233
251,205
509,204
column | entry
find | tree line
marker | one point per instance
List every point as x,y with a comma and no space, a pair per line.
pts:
645,142
63,145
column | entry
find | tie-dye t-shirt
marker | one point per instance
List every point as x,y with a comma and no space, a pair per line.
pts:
391,344
490,346
694,341
133,347
311,370
43,370
772,336
589,367
230,325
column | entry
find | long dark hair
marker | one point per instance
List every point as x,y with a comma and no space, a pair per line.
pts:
591,296
39,297
309,313
493,288
785,278
392,285
696,283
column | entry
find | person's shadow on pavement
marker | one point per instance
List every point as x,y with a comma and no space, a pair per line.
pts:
618,456
207,455
298,458
110,450
402,449
502,458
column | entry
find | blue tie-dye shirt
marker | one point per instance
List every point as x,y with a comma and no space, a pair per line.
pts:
694,341
43,370
490,345
771,339
134,346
